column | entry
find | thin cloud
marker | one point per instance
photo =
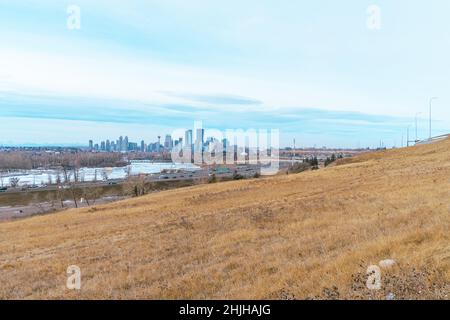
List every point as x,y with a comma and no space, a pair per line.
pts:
174,114
216,99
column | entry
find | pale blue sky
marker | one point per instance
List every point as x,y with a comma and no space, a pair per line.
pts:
309,68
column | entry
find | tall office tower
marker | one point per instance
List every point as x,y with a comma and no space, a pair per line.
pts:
199,139
120,144
125,142
159,144
108,145
168,143
180,141
142,146
91,145
188,138
103,146
225,144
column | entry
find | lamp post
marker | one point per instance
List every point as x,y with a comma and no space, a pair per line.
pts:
431,101
407,136
417,113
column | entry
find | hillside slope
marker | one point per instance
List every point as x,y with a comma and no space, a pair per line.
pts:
310,235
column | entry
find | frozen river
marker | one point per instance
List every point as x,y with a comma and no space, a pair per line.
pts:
44,177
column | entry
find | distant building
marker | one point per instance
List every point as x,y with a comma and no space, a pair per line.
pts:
132,146
120,144
225,144
91,145
153,147
168,143
126,144
188,138
199,140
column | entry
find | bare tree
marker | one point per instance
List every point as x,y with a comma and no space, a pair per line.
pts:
14,182
38,203
91,194
76,174
66,174
60,194
50,179
58,178
51,197
136,185
73,189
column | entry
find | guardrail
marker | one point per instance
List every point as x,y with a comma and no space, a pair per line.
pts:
434,139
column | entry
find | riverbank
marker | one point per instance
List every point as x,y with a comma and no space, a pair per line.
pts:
44,177
23,204
41,208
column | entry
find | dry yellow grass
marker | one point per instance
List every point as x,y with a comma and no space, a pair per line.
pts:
310,235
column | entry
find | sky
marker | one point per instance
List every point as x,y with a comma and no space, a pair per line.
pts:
327,73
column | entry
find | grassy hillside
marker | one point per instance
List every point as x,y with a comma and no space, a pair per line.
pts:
310,235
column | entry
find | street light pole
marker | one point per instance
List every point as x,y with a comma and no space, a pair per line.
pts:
431,100
407,137
293,154
417,113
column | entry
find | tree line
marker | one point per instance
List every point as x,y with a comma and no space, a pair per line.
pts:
27,160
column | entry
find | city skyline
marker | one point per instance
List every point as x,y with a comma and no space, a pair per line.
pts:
124,144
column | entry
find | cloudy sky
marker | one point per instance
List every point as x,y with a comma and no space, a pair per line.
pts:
315,70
